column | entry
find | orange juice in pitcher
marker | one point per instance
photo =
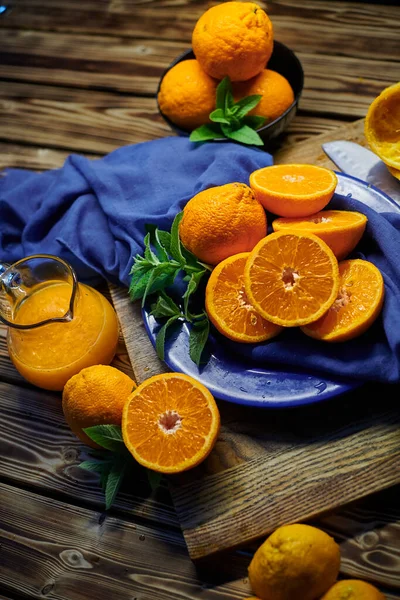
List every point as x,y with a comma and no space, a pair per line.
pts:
57,326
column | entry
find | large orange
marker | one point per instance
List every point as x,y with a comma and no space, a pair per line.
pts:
95,396
222,221
296,562
277,95
233,39
228,307
170,423
291,278
353,589
293,190
187,95
358,303
382,126
340,229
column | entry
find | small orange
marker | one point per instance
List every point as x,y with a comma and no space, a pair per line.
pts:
222,221
382,126
228,307
353,589
358,303
170,423
187,95
95,396
340,229
293,190
277,95
233,39
291,278
296,562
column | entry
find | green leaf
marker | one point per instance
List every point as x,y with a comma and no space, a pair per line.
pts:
222,88
161,252
218,116
244,135
160,340
154,478
106,436
165,307
192,286
148,252
114,481
254,121
205,133
176,251
165,239
105,473
92,465
247,104
198,338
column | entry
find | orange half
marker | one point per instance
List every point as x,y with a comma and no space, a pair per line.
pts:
358,303
170,423
340,229
293,190
228,307
291,278
382,126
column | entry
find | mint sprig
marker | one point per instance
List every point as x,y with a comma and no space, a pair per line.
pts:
114,463
163,260
230,118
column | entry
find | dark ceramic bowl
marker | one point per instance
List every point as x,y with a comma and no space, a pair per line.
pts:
285,62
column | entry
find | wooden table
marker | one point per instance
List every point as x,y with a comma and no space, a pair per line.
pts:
80,76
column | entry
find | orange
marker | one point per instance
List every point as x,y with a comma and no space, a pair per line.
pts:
296,562
353,589
277,95
187,95
222,221
395,172
293,190
340,229
95,396
233,39
357,306
291,278
170,423
228,307
382,126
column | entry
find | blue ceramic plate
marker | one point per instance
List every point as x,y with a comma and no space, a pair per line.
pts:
230,378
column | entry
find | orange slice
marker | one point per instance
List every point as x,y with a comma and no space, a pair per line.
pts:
291,278
394,172
340,229
358,304
382,126
228,307
293,190
170,423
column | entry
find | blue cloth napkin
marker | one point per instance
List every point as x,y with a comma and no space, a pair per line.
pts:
92,213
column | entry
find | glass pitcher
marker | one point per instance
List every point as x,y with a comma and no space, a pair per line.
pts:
56,326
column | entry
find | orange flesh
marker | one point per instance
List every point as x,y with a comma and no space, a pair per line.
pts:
295,180
49,355
325,219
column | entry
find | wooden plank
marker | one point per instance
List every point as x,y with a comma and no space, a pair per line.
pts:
134,66
32,157
352,29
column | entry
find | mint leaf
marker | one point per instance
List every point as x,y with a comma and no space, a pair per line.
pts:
160,340
254,121
247,104
218,116
244,135
198,338
192,286
175,249
148,252
222,88
106,436
161,251
114,480
205,133
154,478
165,239
164,307
92,465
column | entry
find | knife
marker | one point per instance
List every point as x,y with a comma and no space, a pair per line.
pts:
357,161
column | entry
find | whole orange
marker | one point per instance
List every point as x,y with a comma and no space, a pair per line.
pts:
187,95
233,39
353,589
296,562
222,221
277,94
95,396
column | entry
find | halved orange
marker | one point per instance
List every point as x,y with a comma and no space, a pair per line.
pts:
170,423
293,190
382,126
291,278
340,229
358,304
228,307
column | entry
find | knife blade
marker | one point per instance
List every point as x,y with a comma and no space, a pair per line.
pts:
355,160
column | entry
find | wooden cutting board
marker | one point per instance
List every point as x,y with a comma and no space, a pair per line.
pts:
271,467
